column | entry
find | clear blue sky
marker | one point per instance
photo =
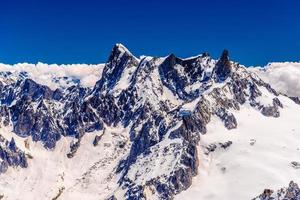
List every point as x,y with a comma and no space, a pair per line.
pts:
73,31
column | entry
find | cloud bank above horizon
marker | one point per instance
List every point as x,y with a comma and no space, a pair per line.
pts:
58,76
282,76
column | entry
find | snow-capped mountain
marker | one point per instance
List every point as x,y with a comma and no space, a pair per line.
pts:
149,128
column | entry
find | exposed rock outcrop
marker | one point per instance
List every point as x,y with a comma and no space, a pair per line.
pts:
11,155
292,192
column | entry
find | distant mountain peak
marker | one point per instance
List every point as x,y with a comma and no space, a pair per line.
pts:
121,46
118,51
223,67
225,55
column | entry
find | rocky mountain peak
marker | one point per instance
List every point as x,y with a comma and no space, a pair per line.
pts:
225,55
223,67
118,51
205,54
119,60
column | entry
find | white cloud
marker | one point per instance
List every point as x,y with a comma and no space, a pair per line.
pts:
46,74
284,77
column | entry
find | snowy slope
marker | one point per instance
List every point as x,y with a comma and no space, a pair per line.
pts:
260,156
88,175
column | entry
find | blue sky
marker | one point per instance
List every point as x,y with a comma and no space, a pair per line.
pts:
72,31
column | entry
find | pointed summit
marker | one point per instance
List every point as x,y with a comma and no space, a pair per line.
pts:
225,55
118,51
223,67
121,47
119,60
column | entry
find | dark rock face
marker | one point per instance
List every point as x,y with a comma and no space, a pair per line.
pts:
228,118
277,102
292,192
272,110
177,74
295,164
11,155
96,140
112,198
213,147
33,111
223,67
35,91
4,115
73,148
296,100
119,59
39,124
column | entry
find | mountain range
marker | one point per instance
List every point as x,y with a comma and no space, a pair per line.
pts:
148,128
